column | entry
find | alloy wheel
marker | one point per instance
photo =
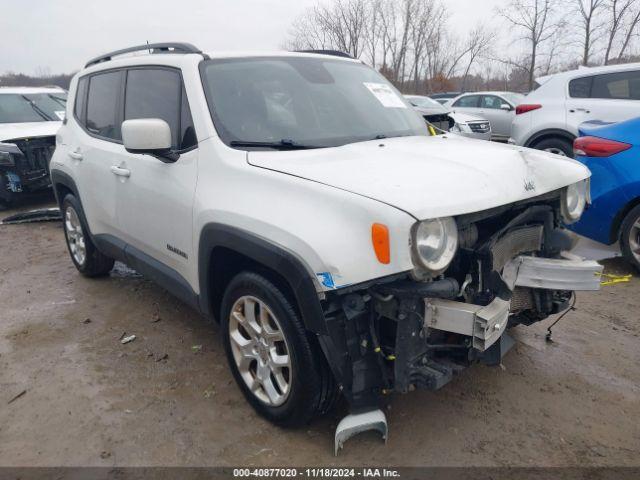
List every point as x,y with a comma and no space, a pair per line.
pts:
634,239
556,150
260,350
75,235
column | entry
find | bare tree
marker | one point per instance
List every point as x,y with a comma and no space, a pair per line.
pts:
536,22
338,26
588,11
624,19
478,44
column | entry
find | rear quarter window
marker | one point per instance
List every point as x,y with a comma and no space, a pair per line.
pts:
580,87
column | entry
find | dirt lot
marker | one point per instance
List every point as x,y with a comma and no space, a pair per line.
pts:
164,400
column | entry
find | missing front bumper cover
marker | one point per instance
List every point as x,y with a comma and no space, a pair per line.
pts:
485,324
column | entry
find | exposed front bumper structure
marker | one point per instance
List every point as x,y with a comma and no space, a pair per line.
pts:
485,324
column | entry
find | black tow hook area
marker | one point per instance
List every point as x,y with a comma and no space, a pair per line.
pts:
446,288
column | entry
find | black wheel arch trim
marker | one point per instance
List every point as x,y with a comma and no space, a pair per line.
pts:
58,179
549,132
267,254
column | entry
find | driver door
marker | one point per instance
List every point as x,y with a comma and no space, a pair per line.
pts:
156,198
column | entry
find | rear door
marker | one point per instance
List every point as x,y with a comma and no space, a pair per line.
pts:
155,200
610,97
96,139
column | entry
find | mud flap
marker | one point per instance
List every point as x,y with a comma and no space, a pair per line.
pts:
356,423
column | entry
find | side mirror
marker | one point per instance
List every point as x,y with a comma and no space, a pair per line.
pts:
149,135
505,106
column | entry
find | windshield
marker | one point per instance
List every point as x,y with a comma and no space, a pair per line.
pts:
514,98
32,107
297,102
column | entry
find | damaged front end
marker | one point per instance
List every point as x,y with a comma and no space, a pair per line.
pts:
24,166
510,267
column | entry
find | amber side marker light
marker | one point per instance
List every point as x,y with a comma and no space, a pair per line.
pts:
380,239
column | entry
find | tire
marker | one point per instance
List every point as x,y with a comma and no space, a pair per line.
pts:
84,254
630,237
557,145
288,396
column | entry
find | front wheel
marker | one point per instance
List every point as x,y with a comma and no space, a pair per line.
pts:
630,237
85,256
282,374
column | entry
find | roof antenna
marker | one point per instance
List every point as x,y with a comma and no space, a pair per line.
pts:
149,48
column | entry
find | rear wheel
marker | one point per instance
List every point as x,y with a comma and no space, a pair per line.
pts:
282,374
559,146
630,237
84,254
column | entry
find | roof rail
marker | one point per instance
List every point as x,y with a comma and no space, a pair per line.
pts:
333,53
151,47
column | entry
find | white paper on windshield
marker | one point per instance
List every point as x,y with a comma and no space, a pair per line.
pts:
387,97
60,114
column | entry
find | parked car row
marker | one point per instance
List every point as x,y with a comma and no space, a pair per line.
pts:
445,120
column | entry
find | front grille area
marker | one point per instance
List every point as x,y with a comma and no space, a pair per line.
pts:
480,127
515,242
37,153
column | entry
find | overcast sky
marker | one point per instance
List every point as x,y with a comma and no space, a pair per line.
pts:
60,35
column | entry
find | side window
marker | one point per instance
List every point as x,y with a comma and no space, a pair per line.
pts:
580,87
491,101
470,101
623,85
81,99
102,105
159,93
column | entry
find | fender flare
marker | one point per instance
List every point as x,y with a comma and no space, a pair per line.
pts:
60,178
268,255
550,132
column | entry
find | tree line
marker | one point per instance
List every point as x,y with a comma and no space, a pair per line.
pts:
412,43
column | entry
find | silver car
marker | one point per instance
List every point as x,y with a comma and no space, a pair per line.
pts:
497,107
442,118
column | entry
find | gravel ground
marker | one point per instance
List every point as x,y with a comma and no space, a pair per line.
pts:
167,398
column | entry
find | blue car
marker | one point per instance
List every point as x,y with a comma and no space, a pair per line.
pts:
612,153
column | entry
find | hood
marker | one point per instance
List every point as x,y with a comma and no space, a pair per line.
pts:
430,177
431,111
11,131
466,118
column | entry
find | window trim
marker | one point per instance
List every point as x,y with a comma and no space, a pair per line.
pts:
122,98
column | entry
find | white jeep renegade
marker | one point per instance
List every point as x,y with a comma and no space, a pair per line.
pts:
299,200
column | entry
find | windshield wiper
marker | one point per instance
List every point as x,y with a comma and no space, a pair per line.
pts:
284,144
37,109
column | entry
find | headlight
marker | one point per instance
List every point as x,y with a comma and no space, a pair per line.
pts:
574,200
435,243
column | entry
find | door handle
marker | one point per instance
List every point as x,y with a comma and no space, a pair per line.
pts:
574,110
121,172
76,155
